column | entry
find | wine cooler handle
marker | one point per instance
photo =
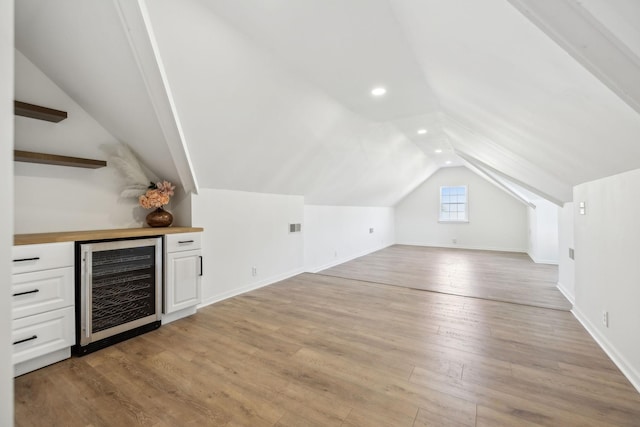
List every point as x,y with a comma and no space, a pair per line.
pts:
201,269
88,295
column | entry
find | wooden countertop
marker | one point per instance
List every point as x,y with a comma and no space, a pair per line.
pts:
72,236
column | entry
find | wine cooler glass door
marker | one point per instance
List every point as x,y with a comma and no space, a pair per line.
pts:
120,287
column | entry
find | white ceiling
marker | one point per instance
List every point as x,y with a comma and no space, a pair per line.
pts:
273,96
345,48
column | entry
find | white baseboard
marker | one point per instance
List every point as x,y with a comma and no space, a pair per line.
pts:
566,293
250,287
41,361
342,260
625,367
456,246
172,317
543,261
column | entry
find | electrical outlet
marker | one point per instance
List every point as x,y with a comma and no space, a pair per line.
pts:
254,271
335,254
370,230
605,319
454,240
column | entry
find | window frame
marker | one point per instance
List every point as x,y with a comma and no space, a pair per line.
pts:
466,205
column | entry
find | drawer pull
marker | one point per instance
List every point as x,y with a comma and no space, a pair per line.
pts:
27,259
185,241
25,340
26,292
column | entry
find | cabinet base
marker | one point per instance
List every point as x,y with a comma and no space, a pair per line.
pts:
185,312
79,350
40,362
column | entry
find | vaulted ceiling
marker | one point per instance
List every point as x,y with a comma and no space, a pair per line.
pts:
274,96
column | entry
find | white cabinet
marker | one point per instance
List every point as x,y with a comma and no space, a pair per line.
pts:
183,280
42,287
183,272
42,334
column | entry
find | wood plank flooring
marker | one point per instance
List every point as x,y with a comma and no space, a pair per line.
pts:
316,350
498,276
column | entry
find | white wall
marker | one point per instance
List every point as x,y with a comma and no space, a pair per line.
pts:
543,232
59,198
607,266
497,221
73,198
336,234
243,230
566,266
6,227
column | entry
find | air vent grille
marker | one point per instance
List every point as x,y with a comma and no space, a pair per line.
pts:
295,228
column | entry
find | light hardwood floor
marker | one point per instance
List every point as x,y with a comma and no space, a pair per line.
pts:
497,276
316,350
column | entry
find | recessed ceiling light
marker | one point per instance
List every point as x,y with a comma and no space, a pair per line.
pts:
422,131
448,162
378,91
438,150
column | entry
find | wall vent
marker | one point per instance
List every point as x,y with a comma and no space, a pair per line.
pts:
295,228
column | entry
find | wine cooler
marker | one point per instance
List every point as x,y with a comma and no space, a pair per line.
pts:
118,293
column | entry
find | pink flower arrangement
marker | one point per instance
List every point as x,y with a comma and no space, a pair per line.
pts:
157,195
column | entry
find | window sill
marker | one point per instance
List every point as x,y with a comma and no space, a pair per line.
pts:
454,222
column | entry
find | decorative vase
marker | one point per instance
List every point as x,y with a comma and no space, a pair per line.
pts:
159,218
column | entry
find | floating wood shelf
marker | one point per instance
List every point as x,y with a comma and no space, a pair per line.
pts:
55,116
52,159
38,112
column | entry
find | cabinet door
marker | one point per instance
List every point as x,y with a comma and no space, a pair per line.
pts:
182,284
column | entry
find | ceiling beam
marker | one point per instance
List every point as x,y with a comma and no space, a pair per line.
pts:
589,42
136,24
488,169
468,143
478,170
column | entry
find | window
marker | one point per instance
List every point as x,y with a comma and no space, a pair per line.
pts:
453,204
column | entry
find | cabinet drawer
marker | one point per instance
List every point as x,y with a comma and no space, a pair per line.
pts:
28,258
41,334
182,242
41,291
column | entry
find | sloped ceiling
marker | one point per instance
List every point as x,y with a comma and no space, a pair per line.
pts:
83,48
273,96
252,123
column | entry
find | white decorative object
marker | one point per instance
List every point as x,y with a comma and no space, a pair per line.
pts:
123,159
